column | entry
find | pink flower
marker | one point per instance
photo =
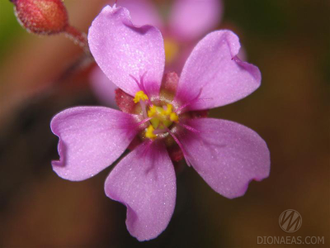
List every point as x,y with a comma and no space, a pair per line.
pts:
179,38
227,155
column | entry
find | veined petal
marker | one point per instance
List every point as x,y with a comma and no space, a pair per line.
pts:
213,76
226,154
126,53
143,12
91,139
183,19
103,88
145,182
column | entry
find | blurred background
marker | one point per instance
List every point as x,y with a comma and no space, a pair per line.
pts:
288,40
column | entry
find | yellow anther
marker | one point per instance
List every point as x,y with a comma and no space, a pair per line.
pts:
174,117
168,110
152,111
150,132
140,95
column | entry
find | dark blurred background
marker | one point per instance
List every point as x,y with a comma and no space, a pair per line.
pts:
288,40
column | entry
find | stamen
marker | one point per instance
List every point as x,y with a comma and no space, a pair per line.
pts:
152,111
150,132
174,117
140,96
169,109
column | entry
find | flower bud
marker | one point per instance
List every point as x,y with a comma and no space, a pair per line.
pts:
42,16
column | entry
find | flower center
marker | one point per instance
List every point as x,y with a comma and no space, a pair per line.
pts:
161,116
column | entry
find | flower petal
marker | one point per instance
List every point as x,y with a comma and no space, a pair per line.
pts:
226,154
125,52
213,76
143,12
91,139
103,88
183,21
145,182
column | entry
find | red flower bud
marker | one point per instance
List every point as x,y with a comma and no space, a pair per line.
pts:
42,16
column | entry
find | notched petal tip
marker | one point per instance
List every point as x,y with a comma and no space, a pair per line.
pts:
245,187
123,50
126,18
90,139
254,70
232,40
214,69
235,47
59,166
227,155
110,9
144,181
263,171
